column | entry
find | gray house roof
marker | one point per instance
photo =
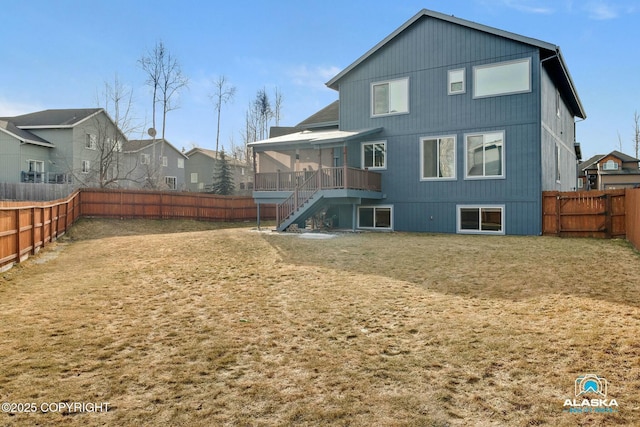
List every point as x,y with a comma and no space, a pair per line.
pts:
22,135
550,53
135,145
326,117
212,154
63,118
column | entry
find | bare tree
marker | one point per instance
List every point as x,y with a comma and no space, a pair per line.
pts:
106,136
264,112
277,106
223,93
164,76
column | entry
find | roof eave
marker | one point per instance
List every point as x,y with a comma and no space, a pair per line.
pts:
333,83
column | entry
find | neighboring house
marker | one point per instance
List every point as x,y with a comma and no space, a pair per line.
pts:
69,145
609,171
168,168
201,167
446,125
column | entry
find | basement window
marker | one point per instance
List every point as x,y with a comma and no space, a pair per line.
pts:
375,217
473,219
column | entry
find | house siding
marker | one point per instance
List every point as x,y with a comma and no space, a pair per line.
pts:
11,158
556,131
425,52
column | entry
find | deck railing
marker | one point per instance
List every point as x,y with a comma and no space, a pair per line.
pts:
331,178
304,185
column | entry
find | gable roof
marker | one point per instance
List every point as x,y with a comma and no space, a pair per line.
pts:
136,145
22,135
592,161
63,118
552,55
212,154
328,116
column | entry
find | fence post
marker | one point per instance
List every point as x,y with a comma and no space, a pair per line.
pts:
558,221
18,249
608,217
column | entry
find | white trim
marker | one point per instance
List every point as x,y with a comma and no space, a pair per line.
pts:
455,158
29,161
464,82
175,182
479,207
374,207
390,113
502,159
86,169
373,167
501,64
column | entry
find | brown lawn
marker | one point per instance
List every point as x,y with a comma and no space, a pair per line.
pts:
195,324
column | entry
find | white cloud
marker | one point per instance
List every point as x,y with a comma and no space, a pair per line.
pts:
313,77
529,6
600,10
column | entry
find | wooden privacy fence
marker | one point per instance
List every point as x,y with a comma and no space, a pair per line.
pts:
27,227
584,213
632,204
129,204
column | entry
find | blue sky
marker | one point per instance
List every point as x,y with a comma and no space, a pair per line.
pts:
59,54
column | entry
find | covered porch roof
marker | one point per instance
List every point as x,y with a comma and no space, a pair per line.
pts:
313,138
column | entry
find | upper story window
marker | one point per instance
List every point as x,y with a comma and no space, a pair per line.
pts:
456,82
438,158
164,161
374,155
145,159
36,165
390,97
485,155
180,163
504,78
91,142
86,166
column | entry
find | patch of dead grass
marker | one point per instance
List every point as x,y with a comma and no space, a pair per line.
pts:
230,327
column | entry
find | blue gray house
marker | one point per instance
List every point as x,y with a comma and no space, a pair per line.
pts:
446,125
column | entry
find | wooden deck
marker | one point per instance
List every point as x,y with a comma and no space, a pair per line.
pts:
325,179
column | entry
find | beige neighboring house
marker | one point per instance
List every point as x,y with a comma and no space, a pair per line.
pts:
611,171
200,169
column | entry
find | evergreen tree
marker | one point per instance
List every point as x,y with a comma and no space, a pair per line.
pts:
222,177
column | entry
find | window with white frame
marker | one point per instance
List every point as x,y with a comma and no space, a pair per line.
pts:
35,165
194,177
163,161
171,181
391,97
504,78
91,142
456,82
476,219
484,155
86,166
180,163
374,155
438,158
375,217
145,159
